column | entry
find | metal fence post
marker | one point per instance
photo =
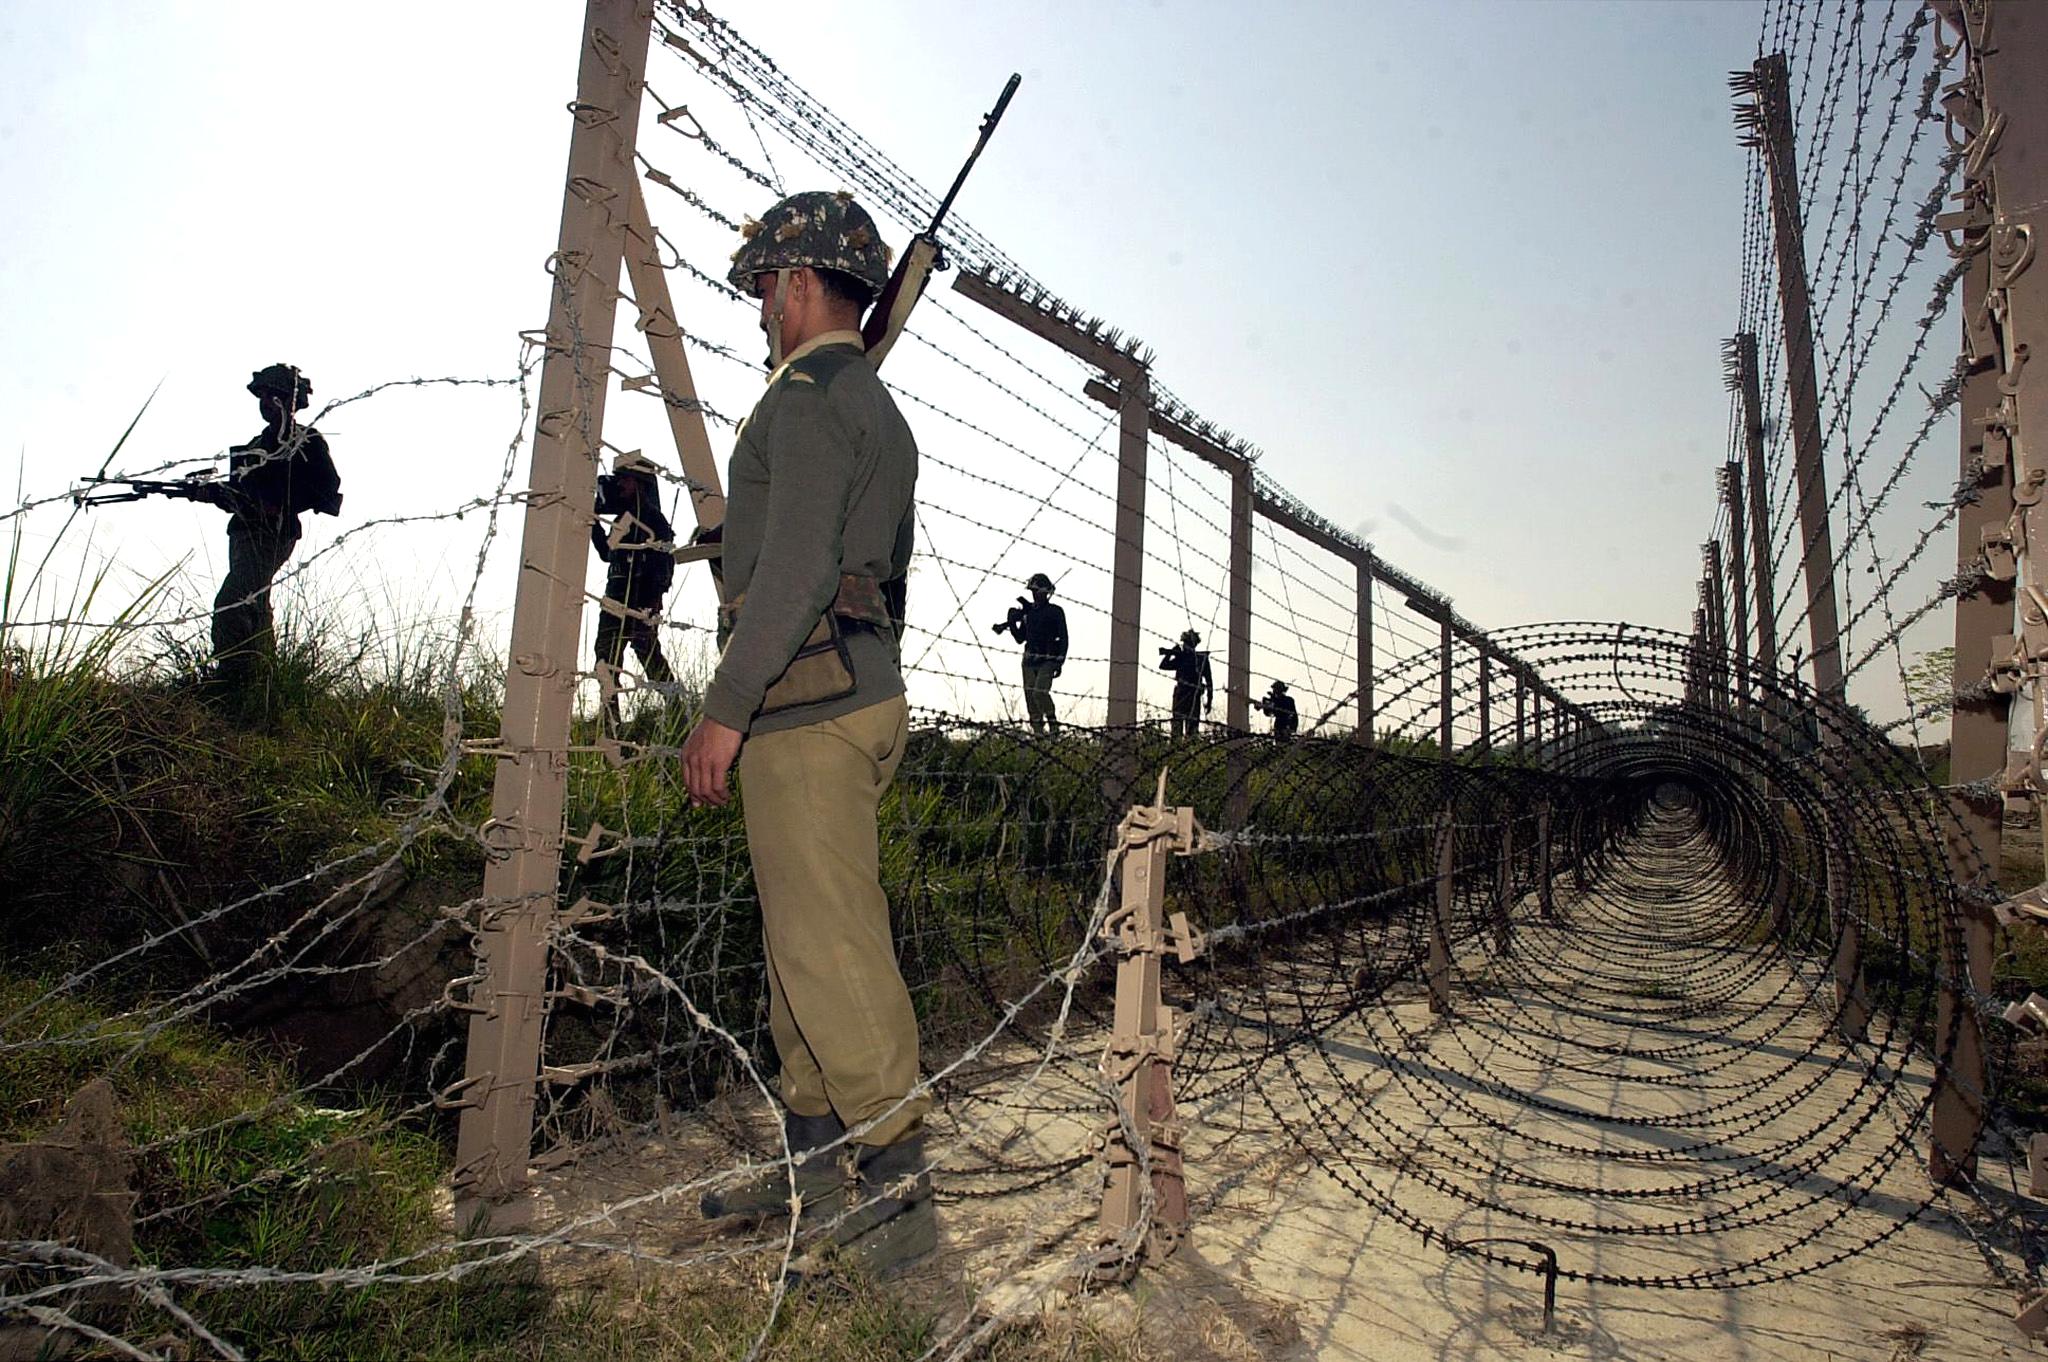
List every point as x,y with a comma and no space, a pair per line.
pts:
523,839
1125,362
1852,1000
1365,660
1769,127
1445,659
1737,581
1740,356
1504,889
1144,1203
1717,627
1546,900
1127,594
1998,115
1237,699
1521,712
1437,971
1485,701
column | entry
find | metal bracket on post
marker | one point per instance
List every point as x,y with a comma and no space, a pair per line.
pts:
1437,973
1144,1200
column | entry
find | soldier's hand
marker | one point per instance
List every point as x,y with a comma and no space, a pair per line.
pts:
708,754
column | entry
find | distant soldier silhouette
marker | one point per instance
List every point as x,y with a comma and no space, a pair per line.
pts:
1280,705
636,578
282,473
1041,627
1194,685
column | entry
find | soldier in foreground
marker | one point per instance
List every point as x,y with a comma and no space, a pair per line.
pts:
636,579
272,480
1279,705
1041,627
817,542
1194,685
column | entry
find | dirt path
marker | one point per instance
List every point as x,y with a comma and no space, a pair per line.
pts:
1766,1148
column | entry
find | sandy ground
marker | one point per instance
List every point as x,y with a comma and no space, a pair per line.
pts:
1286,1260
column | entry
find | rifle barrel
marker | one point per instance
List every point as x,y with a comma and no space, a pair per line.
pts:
988,126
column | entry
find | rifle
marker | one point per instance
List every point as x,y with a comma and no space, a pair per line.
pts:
196,488
1015,617
923,255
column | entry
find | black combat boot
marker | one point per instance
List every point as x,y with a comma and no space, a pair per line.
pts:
820,1176
893,1221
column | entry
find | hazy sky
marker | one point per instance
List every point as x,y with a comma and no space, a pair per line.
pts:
1461,270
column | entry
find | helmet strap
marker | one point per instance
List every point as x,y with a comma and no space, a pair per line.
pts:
775,319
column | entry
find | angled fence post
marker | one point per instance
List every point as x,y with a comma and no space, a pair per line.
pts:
677,386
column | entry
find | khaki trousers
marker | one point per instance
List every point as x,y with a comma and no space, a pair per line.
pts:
837,1006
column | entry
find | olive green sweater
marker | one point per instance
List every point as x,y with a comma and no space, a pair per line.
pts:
820,484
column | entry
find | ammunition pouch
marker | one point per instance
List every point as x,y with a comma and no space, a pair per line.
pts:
822,669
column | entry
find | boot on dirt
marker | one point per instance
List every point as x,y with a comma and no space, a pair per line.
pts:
893,1223
820,1176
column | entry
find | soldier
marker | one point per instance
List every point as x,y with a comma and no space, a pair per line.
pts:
284,471
1194,686
1041,627
817,542
636,579
1280,706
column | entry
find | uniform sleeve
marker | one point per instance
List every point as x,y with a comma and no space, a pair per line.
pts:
1059,634
810,451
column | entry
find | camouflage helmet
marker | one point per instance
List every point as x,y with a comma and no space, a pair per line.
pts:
821,230
282,380
1039,581
1279,688
1190,638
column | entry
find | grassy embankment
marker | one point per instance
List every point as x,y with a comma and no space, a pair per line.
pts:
133,807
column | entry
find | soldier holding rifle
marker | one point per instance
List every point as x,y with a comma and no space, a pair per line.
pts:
1279,706
809,699
1194,684
282,473
1041,627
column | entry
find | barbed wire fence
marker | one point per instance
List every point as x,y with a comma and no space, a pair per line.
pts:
1514,867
